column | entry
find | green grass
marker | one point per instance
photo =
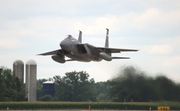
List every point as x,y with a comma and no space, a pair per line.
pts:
85,105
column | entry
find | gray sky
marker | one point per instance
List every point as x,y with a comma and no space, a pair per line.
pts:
29,27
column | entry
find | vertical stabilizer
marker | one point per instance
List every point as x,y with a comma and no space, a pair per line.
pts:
107,38
80,37
107,42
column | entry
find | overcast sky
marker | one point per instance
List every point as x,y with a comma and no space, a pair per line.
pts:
30,27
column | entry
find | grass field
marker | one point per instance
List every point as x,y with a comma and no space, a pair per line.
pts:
87,105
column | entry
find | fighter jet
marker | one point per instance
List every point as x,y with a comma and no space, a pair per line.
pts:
75,50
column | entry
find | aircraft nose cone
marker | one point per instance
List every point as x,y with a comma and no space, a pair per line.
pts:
64,45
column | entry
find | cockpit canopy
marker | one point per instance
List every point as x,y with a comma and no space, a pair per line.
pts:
70,37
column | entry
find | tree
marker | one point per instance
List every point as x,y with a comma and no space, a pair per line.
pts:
101,91
40,88
74,86
11,88
2,85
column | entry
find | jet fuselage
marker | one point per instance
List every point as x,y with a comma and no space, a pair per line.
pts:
73,49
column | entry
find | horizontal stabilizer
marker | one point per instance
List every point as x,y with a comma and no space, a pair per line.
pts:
115,50
120,57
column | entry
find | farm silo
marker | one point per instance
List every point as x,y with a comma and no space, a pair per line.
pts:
31,72
18,70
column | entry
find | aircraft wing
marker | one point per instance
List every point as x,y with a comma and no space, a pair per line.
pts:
59,51
114,50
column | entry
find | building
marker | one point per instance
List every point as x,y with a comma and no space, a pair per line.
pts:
48,88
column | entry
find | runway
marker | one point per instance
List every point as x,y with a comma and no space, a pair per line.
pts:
88,110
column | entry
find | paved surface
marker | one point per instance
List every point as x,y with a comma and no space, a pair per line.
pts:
83,110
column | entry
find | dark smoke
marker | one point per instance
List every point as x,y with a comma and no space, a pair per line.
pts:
132,84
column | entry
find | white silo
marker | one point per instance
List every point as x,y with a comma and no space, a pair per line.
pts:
31,72
18,70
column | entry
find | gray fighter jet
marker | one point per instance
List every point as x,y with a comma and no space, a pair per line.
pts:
84,52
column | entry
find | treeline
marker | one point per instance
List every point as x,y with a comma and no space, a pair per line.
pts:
130,85
75,86
11,89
